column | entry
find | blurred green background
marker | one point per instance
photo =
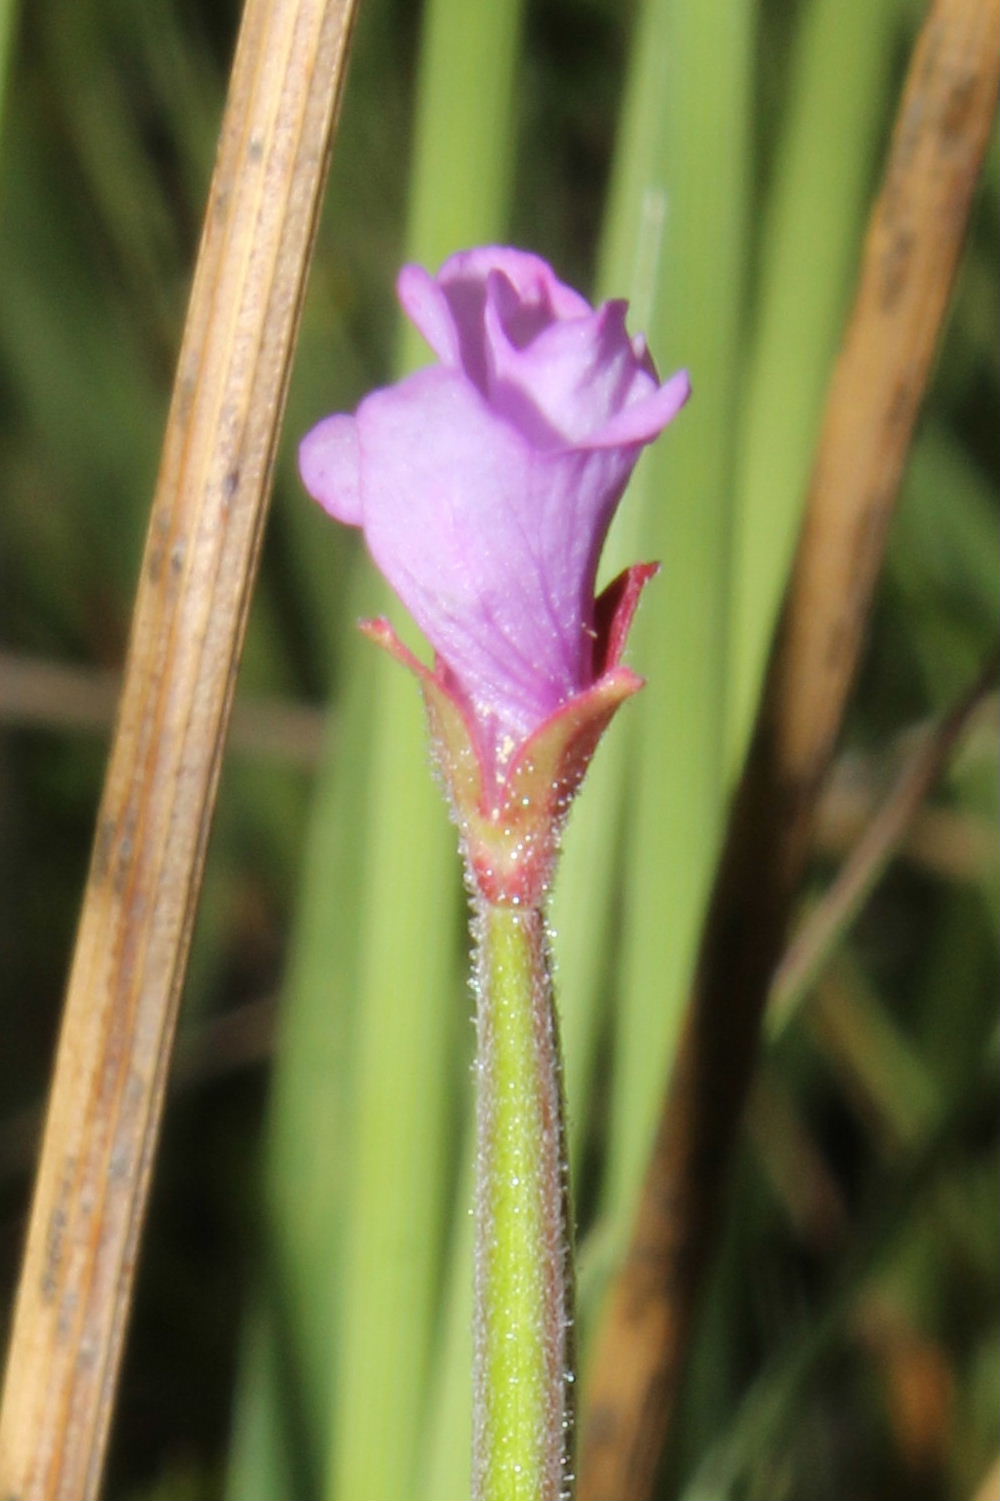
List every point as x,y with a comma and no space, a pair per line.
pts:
301,1328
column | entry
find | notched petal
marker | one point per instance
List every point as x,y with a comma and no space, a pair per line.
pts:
568,380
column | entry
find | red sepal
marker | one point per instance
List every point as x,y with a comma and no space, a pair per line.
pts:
510,828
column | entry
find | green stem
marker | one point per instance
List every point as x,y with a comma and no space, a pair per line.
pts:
524,1286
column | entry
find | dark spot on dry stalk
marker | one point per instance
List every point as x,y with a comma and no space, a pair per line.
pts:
895,267
955,119
123,857
55,1238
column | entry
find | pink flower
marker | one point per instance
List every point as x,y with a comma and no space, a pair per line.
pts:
486,483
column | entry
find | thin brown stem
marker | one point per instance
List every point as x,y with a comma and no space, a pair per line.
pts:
241,1038
152,828
37,693
908,266
820,933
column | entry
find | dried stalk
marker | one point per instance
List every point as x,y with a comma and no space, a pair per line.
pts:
908,266
188,627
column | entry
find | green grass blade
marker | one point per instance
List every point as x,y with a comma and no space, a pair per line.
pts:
408,996
8,22
445,1472
464,126
584,905
410,986
697,61
286,1388
812,222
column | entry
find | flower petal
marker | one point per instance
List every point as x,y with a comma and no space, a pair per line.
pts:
485,485
329,463
491,544
539,296
569,381
646,419
426,306
539,290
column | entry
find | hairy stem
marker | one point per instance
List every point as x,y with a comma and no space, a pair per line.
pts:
522,1449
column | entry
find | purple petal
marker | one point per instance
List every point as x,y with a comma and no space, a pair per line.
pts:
539,296
491,543
646,419
464,276
486,484
329,463
575,375
426,306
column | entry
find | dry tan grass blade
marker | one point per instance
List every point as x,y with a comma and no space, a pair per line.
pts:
188,627
910,255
